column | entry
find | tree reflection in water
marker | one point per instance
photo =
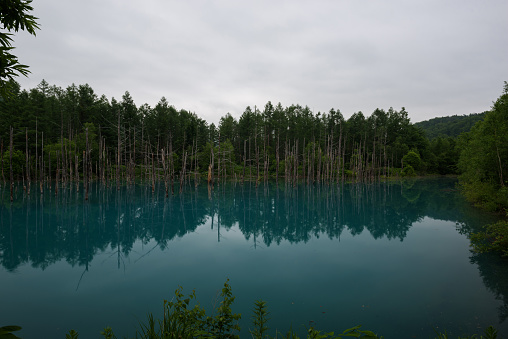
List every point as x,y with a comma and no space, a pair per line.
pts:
41,229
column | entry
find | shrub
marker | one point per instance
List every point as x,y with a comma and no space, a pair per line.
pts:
493,239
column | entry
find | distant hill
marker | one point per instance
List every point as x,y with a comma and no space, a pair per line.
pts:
450,126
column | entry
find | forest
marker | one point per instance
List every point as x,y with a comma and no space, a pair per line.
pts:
50,128
451,126
73,134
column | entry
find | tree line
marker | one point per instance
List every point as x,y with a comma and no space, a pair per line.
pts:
483,161
75,134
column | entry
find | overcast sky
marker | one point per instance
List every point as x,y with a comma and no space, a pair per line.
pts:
433,57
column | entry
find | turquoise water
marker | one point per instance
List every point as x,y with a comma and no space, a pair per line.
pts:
393,257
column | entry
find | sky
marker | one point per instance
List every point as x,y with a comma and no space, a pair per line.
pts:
433,57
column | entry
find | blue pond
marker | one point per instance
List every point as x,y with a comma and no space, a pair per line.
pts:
393,257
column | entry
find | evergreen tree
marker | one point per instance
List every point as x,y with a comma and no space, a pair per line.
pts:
484,157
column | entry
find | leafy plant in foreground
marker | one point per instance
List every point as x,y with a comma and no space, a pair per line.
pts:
224,323
108,333
259,319
183,320
350,332
179,319
6,332
490,333
72,335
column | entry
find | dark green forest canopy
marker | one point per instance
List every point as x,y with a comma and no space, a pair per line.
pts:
484,158
50,127
451,126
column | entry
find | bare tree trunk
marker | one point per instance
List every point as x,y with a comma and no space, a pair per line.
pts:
10,163
101,159
62,144
305,161
499,161
196,169
76,162
85,165
286,170
118,154
153,174
244,155
295,177
171,164
56,175
277,157
42,159
210,169
134,157
320,156
27,163
344,157
164,169
49,163
250,161
265,165
36,149
182,172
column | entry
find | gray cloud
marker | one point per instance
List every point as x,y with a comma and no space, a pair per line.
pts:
435,58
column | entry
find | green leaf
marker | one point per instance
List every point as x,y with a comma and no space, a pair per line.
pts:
352,329
9,336
72,335
8,329
369,333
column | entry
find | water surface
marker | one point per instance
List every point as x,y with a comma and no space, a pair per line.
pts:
393,257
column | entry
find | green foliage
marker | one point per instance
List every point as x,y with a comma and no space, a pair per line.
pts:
412,159
350,332
75,148
493,239
185,318
14,15
225,322
259,319
179,319
258,139
227,128
484,158
451,126
107,333
490,333
485,195
18,163
72,335
444,156
290,334
408,170
182,320
6,332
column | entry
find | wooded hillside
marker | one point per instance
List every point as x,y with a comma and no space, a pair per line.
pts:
451,126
